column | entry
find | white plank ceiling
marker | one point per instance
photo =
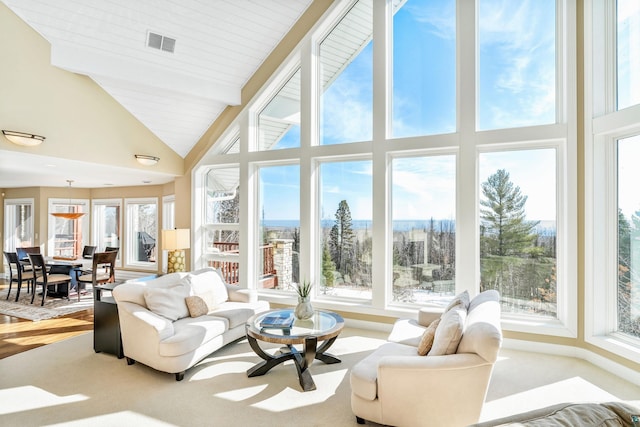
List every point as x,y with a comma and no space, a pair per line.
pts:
219,44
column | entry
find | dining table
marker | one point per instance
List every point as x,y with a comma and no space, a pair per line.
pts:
57,265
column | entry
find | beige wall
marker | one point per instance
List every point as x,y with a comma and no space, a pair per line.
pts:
80,120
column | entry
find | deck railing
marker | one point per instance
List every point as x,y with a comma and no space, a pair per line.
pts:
231,269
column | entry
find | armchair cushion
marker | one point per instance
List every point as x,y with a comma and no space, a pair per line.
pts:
427,338
449,332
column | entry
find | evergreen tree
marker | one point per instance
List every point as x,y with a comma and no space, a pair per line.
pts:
328,266
341,239
505,229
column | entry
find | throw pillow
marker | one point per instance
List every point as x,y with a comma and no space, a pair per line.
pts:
196,305
460,299
168,302
209,281
427,338
449,332
202,304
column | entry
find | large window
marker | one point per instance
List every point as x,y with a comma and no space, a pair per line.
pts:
415,117
18,224
278,246
424,229
142,232
222,222
346,70
628,53
107,223
518,229
612,145
345,229
517,60
424,63
67,237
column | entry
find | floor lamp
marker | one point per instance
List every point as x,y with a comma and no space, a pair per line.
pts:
176,241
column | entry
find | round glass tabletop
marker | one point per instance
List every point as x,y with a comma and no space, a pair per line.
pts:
321,324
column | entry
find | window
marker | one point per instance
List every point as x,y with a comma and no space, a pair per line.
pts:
142,232
424,236
278,248
517,76
424,63
628,53
67,237
389,164
222,228
611,147
346,69
628,237
279,121
18,224
345,229
518,230
107,223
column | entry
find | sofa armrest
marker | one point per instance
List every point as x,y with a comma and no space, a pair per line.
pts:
240,294
426,315
135,319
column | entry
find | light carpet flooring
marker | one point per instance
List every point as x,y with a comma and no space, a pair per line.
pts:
68,384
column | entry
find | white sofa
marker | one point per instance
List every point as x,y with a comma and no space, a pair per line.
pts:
159,329
397,386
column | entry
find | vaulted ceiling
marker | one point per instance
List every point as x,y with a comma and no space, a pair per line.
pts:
174,65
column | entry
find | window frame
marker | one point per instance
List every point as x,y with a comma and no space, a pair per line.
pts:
130,238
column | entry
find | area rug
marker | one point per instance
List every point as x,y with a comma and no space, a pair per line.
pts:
53,307
68,384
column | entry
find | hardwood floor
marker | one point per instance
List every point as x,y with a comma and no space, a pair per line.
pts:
18,335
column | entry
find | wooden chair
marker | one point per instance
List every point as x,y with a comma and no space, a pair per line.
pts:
44,278
102,270
88,251
17,273
23,256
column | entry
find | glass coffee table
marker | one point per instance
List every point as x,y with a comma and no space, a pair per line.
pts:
324,326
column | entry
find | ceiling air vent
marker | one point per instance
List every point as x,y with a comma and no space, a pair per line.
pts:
158,41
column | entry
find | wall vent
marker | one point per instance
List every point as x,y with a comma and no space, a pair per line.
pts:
157,41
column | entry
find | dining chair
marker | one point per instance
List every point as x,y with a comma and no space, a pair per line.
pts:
102,270
23,255
17,273
88,251
44,278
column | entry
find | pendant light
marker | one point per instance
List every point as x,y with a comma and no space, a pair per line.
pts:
68,215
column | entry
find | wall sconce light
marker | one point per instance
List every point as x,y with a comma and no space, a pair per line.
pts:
22,138
176,241
147,160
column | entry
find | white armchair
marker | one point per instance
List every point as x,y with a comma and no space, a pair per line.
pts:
396,386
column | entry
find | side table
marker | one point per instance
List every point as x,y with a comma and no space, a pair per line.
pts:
106,324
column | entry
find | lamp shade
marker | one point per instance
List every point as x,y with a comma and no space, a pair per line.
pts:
179,238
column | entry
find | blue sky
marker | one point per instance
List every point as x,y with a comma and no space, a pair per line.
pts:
516,88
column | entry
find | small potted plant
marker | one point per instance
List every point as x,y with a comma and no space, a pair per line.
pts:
304,309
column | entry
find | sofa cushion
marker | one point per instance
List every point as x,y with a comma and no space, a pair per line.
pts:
449,332
427,338
168,302
208,281
237,313
191,333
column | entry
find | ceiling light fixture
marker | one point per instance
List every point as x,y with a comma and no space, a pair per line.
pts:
147,160
21,138
68,215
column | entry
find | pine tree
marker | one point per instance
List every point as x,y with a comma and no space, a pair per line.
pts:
505,228
328,267
341,239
